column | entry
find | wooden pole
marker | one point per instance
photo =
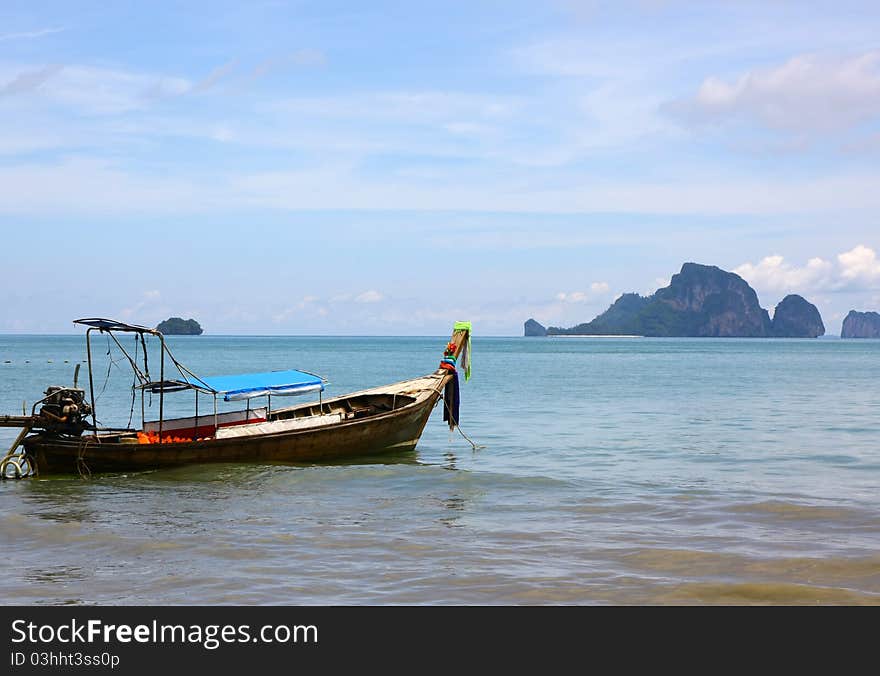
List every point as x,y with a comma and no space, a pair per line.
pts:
161,383
91,382
15,444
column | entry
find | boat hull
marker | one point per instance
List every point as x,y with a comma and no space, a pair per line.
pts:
395,431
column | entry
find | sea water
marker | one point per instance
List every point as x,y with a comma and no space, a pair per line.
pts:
612,471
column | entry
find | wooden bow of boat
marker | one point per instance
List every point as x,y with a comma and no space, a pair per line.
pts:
459,338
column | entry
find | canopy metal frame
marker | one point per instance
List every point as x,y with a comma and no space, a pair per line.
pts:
189,380
111,326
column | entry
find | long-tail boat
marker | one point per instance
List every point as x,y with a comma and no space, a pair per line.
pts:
64,436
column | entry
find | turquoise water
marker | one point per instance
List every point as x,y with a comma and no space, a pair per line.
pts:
614,471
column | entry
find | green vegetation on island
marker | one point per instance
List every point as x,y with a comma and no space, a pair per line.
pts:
175,326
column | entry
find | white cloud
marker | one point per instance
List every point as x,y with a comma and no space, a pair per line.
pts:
659,283
806,93
307,303
610,97
148,304
215,76
860,266
28,81
414,107
222,133
856,269
37,130
29,35
773,273
79,185
370,296
309,57
596,290
95,186
473,129
91,90
310,306
299,57
571,297
110,91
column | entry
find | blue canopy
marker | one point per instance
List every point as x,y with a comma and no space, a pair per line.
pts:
247,385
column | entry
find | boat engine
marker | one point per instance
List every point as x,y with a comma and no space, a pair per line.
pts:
64,410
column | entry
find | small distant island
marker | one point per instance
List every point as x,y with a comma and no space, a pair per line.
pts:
700,301
175,326
861,325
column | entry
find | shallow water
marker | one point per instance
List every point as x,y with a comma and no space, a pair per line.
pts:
615,471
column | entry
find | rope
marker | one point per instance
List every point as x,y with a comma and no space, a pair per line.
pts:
81,466
21,465
133,378
10,461
133,362
29,463
17,458
110,366
146,358
476,447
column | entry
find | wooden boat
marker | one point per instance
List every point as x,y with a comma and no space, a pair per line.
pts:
369,422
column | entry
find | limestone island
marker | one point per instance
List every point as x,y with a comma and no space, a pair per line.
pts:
533,328
860,325
701,301
175,326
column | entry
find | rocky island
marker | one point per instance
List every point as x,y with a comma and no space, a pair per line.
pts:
861,325
795,317
702,301
175,326
533,329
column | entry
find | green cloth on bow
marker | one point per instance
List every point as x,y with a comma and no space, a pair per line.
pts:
465,355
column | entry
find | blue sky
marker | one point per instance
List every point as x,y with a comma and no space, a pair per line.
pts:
391,167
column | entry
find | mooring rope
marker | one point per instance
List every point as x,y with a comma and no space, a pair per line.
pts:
475,446
6,463
21,464
81,466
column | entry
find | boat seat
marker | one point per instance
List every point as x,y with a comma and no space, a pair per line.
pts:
276,426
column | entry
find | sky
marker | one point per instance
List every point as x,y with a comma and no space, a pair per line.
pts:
391,167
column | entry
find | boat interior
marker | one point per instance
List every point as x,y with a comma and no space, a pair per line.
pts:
358,406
